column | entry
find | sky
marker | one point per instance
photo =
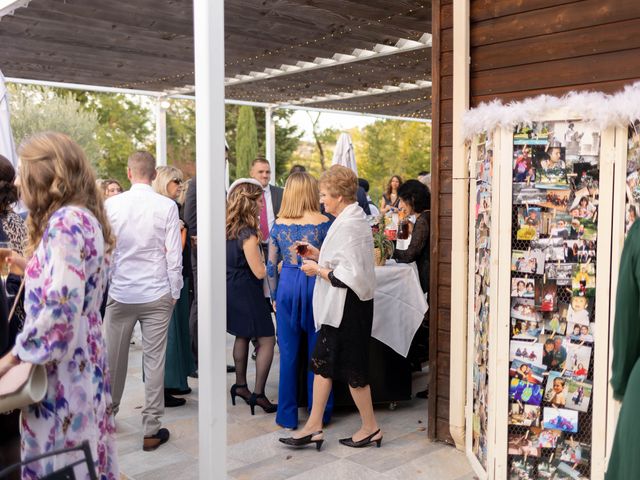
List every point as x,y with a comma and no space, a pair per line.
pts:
341,121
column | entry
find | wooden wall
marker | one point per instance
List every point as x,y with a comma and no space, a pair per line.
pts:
519,49
440,288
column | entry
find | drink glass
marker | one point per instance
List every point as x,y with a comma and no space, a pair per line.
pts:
5,253
403,230
302,249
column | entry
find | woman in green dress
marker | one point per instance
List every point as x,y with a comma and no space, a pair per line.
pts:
624,462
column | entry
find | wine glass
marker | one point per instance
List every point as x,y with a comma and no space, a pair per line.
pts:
5,253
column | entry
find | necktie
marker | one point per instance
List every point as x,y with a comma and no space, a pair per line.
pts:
264,220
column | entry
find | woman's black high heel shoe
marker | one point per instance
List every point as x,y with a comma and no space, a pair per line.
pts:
301,442
267,406
234,393
364,442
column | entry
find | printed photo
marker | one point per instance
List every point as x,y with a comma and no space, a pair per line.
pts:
578,359
524,309
525,329
521,468
537,133
525,392
554,352
551,249
523,170
581,251
525,415
566,471
547,438
557,199
527,194
527,261
526,444
556,390
546,296
578,394
583,280
578,311
554,323
546,469
560,419
585,175
529,223
561,273
526,351
580,333
527,371
523,287
560,225
573,452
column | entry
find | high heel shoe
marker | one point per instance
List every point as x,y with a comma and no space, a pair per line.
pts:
301,442
267,406
234,393
349,442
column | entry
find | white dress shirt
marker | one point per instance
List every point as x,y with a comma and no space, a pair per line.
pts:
147,260
271,217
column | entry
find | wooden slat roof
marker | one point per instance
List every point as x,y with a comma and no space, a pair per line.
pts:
148,45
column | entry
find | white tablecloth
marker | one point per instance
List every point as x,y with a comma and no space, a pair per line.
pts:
399,305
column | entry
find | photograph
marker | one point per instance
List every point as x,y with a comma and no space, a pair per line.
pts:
546,469
554,352
566,471
583,280
560,419
525,392
536,133
578,311
560,272
556,389
550,166
547,438
529,223
580,333
521,468
528,261
557,199
523,170
554,323
573,452
526,351
546,295
578,394
527,194
560,224
551,249
585,175
523,287
581,251
527,371
525,415
523,444
524,309
525,329
578,359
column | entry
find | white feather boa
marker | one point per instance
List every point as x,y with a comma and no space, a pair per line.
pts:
601,109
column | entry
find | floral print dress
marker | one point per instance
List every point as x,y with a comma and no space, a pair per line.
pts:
64,284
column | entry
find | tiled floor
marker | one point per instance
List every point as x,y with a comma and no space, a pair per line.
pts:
254,453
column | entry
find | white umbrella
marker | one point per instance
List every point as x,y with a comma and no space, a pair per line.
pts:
344,154
7,147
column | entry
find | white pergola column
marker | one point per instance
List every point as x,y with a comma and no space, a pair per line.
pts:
270,144
210,167
161,131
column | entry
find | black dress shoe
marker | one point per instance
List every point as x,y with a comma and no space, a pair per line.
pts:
231,368
423,394
152,442
170,401
193,374
177,391
301,442
349,442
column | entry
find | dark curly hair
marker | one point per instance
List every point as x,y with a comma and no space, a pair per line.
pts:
416,194
8,189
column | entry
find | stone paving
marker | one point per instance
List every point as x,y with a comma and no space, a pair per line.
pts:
253,451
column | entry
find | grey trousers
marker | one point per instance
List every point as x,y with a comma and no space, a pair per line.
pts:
119,320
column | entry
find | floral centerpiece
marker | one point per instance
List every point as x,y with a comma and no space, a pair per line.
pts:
382,246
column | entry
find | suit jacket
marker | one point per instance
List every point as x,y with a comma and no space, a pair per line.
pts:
276,199
190,210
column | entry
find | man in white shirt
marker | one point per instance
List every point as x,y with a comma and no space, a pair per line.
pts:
146,280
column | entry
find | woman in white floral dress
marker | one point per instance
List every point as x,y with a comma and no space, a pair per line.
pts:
69,242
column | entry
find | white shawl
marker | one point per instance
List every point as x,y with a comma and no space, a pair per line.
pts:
348,251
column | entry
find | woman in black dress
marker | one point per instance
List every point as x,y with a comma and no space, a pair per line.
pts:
390,199
247,313
342,309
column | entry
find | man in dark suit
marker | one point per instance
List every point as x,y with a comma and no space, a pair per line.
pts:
261,171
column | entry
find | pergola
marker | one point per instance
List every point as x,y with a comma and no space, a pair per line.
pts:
360,56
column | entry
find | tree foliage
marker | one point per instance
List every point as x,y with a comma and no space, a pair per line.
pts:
181,135
246,141
36,109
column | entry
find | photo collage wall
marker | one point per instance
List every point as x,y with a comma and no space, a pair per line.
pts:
482,283
633,171
553,287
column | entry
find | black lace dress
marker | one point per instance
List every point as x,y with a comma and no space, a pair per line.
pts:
343,353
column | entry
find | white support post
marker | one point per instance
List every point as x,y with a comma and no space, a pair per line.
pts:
459,225
210,165
270,144
161,131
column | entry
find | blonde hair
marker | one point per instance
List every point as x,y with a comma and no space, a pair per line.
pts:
301,195
182,197
164,176
55,172
340,181
242,210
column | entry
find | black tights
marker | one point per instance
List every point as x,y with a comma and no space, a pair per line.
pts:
263,360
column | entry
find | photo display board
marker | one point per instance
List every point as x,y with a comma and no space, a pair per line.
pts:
555,197
633,172
482,290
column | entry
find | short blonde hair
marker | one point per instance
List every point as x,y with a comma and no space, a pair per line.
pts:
301,194
164,176
340,182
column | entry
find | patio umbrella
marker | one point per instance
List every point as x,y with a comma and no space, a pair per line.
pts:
344,154
7,147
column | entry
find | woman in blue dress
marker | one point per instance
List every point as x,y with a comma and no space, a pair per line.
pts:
299,223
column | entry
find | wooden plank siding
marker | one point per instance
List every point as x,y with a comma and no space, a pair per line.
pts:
440,288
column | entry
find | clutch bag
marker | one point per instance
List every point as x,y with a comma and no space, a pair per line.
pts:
22,385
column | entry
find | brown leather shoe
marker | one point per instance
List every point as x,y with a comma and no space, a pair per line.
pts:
152,442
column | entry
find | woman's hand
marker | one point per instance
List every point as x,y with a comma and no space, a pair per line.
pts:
6,362
273,304
310,268
17,263
312,252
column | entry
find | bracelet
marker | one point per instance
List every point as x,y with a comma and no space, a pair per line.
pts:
319,273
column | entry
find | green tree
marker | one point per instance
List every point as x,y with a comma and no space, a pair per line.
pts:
181,135
246,141
36,109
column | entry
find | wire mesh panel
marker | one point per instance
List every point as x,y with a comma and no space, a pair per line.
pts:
556,173
633,181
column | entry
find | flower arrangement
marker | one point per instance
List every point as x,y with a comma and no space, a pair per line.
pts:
382,246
